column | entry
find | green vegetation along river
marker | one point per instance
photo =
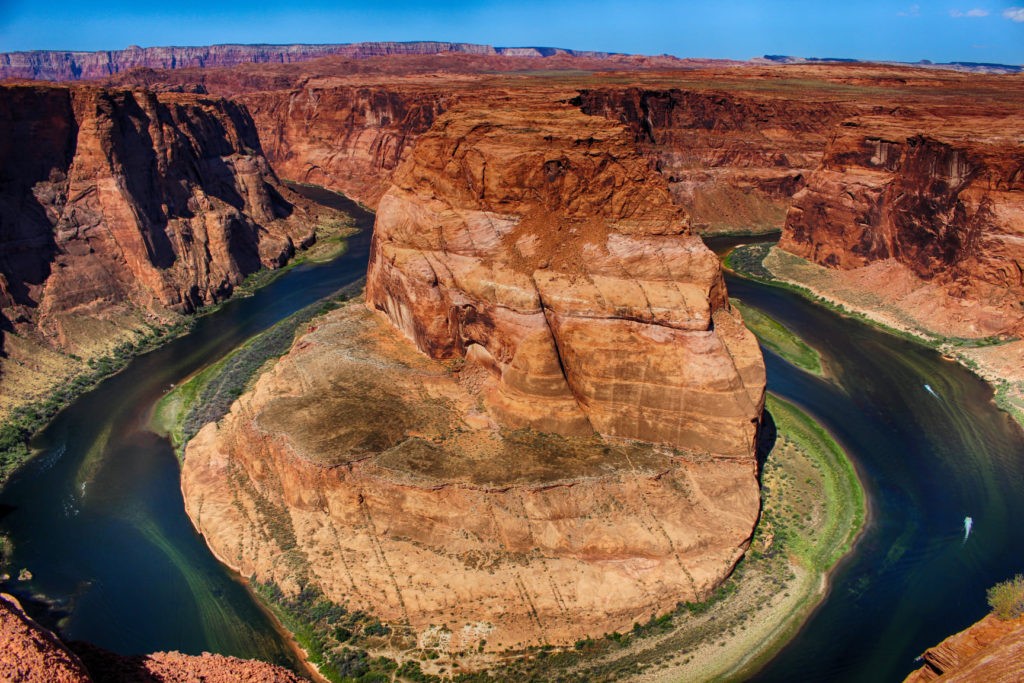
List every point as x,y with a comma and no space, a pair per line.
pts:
927,460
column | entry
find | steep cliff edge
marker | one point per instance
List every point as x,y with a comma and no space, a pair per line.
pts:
118,209
990,651
537,242
733,160
346,136
940,198
491,482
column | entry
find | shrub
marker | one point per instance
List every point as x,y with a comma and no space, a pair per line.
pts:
1007,598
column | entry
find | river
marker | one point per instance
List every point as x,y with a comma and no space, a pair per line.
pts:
98,517
99,521
926,462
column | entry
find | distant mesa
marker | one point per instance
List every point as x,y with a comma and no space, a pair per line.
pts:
979,67
58,65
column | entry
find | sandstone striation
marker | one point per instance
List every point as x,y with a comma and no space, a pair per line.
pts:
538,243
734,160
942,197
564,443
363,469
990,651
119,207
346,136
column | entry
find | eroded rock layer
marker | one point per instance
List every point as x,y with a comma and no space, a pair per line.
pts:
563,444
536,241
361,467
117,206
942,197
734,160
343,135
990,651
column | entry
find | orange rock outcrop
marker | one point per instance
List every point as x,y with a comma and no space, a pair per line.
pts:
119,206
534,240
365,470
563,445
990,651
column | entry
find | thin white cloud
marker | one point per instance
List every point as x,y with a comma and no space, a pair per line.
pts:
970,14
1014,14
912,11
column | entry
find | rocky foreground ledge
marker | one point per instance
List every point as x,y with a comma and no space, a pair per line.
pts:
32,654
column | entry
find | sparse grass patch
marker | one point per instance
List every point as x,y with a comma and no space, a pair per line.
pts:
779,338
207,396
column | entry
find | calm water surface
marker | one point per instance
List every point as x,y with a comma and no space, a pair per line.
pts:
926,462
98,517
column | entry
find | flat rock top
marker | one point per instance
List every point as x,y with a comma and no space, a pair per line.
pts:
352,390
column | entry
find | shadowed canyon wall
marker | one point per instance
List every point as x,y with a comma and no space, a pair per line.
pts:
733,160
943,197
118,207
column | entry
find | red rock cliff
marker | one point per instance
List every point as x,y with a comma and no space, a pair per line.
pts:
118,204
536,241
990,651
733,160
944,197
345,136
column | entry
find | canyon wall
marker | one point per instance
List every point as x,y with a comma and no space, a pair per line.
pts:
347,137
541,426
734,160
55,65
942,197
119,208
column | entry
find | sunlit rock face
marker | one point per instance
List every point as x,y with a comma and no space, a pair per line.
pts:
539,427
538,243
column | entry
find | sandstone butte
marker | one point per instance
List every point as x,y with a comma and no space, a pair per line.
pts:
32,654
586,456
119,207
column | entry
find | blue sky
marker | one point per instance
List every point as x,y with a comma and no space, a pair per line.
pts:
972,30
